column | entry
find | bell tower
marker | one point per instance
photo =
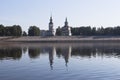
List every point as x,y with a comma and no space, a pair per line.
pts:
51,24
51,30
66,22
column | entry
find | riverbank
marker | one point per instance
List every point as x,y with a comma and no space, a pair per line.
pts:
55,39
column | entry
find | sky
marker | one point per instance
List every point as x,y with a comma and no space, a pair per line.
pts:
27,13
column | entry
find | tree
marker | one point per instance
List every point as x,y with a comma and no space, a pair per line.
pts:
2,30
117,30
75,31
16,30
109,31
24,33
100,31
93,31
58,31
33,31
8,31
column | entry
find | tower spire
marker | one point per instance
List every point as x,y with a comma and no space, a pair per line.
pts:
66,19
66,22
51,30
51,19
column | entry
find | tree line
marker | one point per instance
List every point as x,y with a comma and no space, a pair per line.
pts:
16,30
92,31
101,31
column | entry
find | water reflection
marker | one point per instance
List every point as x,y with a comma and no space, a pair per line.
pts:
51,56
64,52
34,52
10,53
24,49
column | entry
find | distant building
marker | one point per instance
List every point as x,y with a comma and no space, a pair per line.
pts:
66,30
43,32
51,29
49,32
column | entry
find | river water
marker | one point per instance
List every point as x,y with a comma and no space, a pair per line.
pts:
49,61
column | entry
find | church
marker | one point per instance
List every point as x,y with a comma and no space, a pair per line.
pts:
50,31
65,30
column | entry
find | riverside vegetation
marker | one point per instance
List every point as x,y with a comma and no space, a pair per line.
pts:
16,30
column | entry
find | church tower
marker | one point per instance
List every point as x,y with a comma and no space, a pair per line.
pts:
66,23
51,24
66,29
51,30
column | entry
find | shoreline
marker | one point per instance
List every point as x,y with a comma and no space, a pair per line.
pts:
61,39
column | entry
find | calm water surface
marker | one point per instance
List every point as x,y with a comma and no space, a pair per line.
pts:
60,62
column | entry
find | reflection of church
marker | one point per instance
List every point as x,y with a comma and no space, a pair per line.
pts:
65,30
51,56
65,53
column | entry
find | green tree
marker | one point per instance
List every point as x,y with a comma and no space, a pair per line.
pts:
33,31
2,30
109,31
58,31
100,31
16,30
93,31
8,31
117,30
75,31
85,30
24,33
